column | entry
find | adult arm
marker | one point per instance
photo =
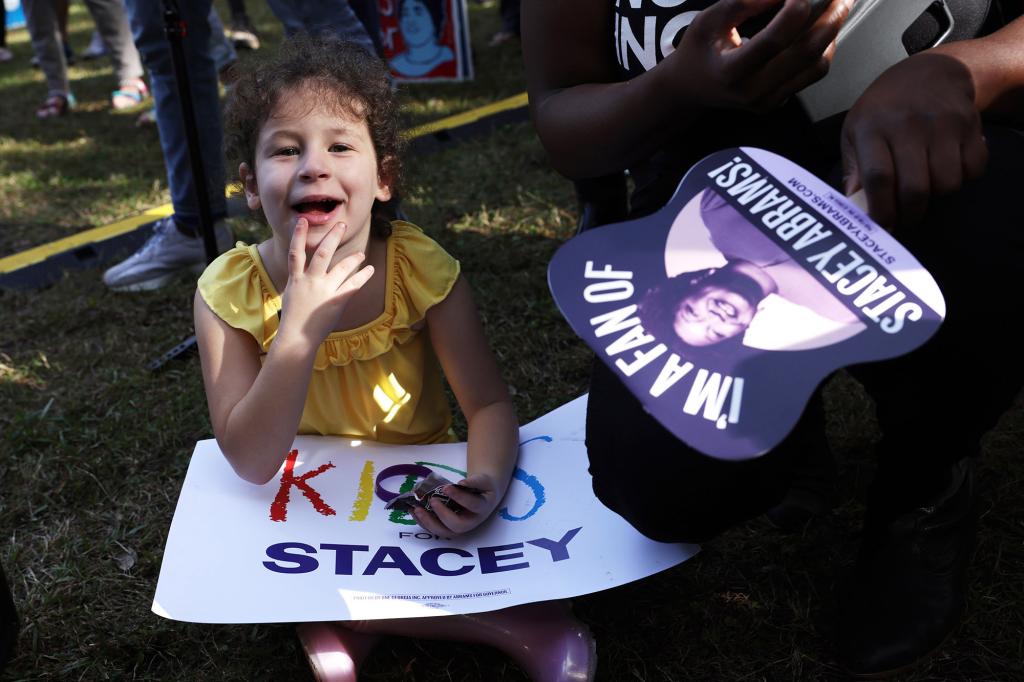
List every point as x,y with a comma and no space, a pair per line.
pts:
916,132
457,336
592,125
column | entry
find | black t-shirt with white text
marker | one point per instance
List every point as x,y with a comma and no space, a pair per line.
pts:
644,32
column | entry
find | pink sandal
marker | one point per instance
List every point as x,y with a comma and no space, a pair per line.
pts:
334,652
129,95
544,638
56,105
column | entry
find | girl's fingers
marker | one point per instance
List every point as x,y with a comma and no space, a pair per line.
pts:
297,248
348,276
325,250
430,522
480,502
357,280
456,523
344,268
473,502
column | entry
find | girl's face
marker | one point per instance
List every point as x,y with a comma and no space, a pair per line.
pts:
711,315
315,164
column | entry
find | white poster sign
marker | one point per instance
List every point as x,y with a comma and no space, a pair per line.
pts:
317,543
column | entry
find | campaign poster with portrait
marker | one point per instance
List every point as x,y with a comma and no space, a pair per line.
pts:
426,40
318,542
724,310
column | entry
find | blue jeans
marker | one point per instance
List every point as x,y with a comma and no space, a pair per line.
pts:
316,17
222,52
147,23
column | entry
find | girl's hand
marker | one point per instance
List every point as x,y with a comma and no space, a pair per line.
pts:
316,293
476,507
717,69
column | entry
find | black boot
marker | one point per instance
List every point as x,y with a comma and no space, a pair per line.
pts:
908,589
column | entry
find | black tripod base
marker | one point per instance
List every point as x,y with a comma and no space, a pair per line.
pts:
184,348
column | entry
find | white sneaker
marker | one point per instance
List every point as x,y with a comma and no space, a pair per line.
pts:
163,256
243,35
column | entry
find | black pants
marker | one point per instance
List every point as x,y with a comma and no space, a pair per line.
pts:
933,404
510,16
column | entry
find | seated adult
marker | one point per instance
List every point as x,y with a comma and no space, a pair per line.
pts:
653,87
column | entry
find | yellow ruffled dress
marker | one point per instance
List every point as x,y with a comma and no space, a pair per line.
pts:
380,381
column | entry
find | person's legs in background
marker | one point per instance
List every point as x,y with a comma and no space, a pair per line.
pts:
41,19
224,57
96,48
112,26
176,244
62,9
241,32
5,54
369,15
509,23
222,51
334,17
148,30
289,16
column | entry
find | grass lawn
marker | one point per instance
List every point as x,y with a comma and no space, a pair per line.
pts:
93,447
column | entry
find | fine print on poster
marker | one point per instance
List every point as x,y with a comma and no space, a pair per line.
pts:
725,309
319,542
426,40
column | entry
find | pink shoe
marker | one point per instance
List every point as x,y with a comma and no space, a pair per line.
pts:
334,652
544,638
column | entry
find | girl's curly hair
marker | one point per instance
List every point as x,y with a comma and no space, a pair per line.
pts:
338,75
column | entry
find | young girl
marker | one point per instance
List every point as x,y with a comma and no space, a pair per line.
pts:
297,332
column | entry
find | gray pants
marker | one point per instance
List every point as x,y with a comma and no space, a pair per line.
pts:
112,24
